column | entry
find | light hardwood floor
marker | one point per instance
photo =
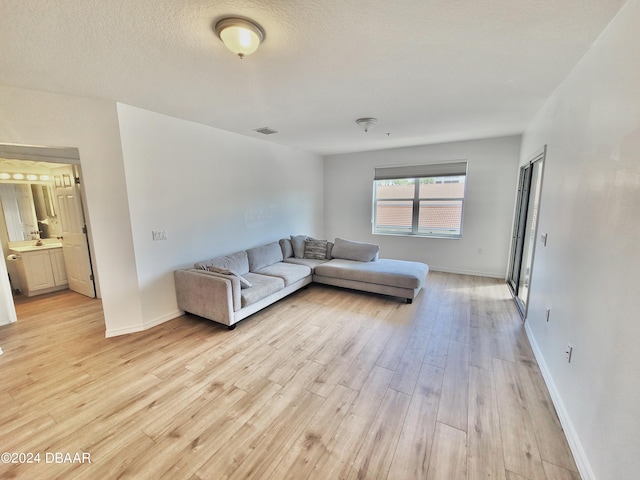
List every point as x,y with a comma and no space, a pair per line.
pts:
325,384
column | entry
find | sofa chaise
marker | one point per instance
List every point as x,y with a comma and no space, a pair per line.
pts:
229,288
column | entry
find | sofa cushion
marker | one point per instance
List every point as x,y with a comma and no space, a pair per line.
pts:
263,256
289,272
237,262
286,247
263,286
309,262
350,250
397,273
316,249
297,242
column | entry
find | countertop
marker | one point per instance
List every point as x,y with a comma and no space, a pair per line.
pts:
34,248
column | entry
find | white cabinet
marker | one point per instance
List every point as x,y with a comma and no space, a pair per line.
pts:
42,271
57,265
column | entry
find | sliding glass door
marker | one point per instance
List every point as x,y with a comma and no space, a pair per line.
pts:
524,231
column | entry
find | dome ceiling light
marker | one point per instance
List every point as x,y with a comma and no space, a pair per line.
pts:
241,36
366,123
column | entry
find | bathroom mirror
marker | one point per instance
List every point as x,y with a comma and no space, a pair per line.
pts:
29,213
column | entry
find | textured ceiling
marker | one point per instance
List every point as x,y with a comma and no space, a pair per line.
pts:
429,70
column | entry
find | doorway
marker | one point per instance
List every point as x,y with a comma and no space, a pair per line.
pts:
51,178
525,225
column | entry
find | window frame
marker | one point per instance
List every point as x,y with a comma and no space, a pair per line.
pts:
434,171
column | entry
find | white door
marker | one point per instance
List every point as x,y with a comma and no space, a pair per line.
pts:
74,237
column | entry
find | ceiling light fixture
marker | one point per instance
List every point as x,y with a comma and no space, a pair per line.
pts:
366,123
241,36
265,131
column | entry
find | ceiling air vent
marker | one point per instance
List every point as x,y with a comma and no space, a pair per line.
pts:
265,130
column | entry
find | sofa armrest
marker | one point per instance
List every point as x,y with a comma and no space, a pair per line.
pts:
207,294
235,286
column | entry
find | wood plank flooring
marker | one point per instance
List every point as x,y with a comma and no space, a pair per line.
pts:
325,384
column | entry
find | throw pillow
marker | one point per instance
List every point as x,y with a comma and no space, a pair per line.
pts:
359,251
286,247
244,283
297,242
329,250
315,249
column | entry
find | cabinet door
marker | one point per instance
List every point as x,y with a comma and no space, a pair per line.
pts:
37,266
57,265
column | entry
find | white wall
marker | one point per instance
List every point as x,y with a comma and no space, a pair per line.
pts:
37,118
588,273
488,210
213,192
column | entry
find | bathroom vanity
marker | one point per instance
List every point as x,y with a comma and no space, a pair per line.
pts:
41,268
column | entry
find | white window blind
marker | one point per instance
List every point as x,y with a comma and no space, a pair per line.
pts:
419,200
447,169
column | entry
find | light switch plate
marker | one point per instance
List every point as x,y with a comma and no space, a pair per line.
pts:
159,235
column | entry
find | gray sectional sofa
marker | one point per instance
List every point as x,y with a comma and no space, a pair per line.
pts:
229,288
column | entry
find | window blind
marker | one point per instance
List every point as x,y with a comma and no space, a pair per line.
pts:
447,169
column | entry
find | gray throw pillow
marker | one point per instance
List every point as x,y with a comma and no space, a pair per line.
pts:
244,283
350,250
315,249
329,250
286,247
297,242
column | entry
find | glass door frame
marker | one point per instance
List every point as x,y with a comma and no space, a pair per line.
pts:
525,226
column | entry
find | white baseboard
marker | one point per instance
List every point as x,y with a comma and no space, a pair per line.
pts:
163,318
476,273
116,332
146,326
579,455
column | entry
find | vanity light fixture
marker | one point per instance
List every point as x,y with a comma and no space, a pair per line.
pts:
366,123
30,177
241,36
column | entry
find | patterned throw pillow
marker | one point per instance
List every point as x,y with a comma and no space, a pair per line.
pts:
315,249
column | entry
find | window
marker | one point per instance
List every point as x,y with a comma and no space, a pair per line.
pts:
422,200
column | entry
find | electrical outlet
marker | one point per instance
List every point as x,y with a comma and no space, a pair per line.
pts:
547,313
159,235
568,352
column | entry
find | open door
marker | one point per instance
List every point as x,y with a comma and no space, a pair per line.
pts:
75,246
